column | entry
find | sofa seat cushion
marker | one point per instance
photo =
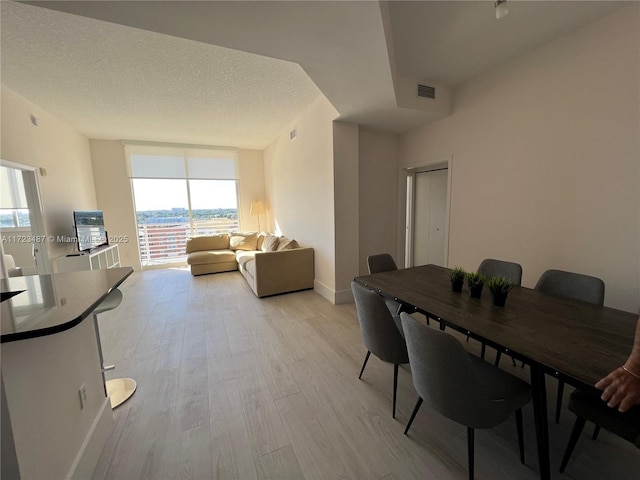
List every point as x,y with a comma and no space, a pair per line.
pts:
243,256
211,256
250,267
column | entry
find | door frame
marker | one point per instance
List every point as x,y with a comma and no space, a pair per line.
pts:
36,216
406,204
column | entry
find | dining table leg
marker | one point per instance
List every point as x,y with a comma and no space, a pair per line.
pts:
539,391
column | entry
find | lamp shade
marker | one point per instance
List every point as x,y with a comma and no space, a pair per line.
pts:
257,208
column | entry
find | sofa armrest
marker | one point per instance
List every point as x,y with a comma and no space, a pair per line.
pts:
284,271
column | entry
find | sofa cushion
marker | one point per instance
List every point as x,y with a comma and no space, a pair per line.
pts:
213,242
250,267
270,243
243,256
287,244
243,240
261,237
211,256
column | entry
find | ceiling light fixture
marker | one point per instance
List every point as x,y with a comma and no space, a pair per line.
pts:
501,9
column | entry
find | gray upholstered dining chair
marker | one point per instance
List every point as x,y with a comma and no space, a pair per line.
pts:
577,287
490,267
589,406
383,262
461,386
381,332
500,268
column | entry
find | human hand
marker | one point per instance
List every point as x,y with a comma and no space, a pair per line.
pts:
620,389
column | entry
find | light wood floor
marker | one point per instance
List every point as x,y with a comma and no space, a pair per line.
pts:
235,387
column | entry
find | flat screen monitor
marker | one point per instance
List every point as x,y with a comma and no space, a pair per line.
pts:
90,231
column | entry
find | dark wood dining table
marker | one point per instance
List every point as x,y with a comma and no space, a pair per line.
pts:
576,341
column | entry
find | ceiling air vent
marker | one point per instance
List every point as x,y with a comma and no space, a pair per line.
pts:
425,91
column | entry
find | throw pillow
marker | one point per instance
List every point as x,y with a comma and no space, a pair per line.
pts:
287,244
243,240
211,242
270,243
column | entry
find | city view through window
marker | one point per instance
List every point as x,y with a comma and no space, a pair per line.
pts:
168,211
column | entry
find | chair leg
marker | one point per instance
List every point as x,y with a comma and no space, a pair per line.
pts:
413,414
483,350
470,451
520,434
559,399
575,435
366,359
395,387
596,431
498,357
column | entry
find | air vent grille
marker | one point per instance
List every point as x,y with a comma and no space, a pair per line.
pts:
425,91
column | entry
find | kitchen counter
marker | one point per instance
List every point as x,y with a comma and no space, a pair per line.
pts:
49,304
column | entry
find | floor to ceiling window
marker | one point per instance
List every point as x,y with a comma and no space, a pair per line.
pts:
180,193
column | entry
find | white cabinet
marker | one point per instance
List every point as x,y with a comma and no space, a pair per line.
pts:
101,258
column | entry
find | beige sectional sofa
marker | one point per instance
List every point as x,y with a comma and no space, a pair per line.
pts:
270,264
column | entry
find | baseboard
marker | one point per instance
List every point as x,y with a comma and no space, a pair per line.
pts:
337,298
324,291
344,296
89,453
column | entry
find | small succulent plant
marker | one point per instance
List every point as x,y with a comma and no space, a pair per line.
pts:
457,275
499,285
475,279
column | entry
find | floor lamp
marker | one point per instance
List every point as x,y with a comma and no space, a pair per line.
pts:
257,208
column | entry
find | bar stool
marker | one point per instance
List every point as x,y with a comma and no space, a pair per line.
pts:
119,390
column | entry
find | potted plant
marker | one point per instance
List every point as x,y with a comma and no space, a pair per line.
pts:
475,280
457,276
499,288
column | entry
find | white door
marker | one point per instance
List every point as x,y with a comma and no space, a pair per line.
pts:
429,217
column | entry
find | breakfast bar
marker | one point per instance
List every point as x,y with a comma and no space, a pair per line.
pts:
55,415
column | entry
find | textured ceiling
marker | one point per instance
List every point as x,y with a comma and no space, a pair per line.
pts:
238,73
111,81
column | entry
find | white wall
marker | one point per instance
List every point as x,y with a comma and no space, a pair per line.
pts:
299,188
113,193
347,208
546,159
378,187
58,148
251,188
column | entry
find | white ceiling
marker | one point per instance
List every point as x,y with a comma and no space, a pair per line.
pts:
238,73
